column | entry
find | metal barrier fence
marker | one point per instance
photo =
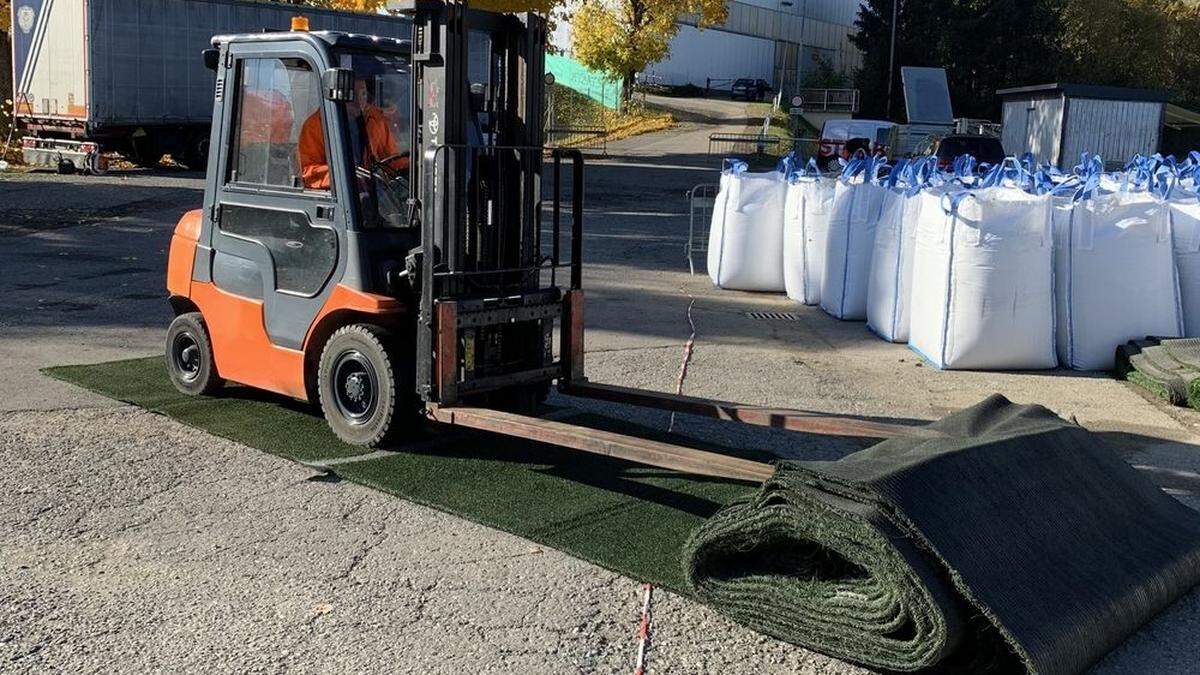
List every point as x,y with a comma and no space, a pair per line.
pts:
583,138
762,144
711,84
701,200
829,100
745,144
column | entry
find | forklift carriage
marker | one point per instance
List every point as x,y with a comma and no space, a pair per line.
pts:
371,240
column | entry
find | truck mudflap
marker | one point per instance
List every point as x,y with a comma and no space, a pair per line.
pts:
63,155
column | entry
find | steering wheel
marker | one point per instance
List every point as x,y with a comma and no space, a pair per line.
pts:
394,195
384,166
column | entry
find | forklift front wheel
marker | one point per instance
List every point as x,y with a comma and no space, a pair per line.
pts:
357,385
190,356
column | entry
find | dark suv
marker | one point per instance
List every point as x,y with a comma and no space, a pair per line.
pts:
749,89
985,149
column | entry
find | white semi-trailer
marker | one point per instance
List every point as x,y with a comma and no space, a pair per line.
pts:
127,75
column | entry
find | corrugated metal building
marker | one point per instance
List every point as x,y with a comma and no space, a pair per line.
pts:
1058,122
774,40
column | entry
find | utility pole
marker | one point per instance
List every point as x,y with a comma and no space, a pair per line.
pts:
892,60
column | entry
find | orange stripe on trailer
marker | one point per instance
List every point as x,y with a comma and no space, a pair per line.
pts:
242,350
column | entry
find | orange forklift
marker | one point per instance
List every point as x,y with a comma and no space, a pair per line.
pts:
372,240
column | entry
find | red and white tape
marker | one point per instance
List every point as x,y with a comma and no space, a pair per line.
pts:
643,631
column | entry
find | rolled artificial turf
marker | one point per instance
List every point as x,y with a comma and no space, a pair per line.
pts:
1167,368
1016,542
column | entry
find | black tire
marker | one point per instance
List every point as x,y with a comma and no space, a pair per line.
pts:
190,356
358,386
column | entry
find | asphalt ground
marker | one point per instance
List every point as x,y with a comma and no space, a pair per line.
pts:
134,543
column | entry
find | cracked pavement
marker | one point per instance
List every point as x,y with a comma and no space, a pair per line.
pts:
132,543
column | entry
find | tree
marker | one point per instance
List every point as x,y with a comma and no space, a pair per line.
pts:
984,45
1133,43
622,37
822,75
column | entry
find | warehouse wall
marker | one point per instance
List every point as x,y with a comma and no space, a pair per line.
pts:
1115,130
820,26
824,24
692,57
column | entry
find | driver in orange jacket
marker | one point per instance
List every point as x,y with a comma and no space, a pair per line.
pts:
370,133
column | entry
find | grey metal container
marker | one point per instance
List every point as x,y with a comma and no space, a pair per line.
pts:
1058,122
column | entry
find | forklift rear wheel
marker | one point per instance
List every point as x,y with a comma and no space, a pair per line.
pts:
190,356
357,385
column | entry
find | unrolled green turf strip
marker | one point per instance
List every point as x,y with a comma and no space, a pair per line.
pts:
627,518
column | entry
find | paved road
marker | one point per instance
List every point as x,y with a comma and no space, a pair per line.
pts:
130,539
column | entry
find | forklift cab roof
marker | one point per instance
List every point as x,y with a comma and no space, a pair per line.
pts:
330,39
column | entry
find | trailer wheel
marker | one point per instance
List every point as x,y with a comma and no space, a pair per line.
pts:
357,386
190,356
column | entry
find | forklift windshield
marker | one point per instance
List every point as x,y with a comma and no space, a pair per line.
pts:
378,134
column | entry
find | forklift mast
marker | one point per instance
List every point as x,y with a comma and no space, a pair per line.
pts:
488,293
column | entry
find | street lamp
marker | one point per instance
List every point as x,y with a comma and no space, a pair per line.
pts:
892,60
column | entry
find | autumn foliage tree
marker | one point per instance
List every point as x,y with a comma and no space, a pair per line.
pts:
622,37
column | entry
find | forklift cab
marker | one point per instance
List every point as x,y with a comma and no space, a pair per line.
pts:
371,230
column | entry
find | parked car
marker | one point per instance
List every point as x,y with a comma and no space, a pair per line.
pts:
985,149
841,139
750,89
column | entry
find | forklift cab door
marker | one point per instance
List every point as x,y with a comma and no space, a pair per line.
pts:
278,234
303,180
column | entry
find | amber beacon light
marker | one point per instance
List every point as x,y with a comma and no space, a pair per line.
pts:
299,22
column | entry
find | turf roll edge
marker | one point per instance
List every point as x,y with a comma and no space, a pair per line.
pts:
1015,542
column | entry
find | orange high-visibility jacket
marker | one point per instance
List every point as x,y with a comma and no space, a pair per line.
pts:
314,166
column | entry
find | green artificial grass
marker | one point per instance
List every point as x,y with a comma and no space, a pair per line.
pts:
627,518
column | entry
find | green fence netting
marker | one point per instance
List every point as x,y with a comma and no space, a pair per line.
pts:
595,85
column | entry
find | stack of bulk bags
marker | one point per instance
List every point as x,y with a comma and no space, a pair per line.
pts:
982,289
745,240
1114,270
889,288
857,202
1185,236
805,227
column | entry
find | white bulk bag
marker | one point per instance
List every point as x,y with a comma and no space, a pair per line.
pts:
889,289
1185,236
857,201
1115,275
745,240
982,290
805,227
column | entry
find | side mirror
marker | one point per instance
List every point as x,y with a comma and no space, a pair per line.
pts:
338,84
211,58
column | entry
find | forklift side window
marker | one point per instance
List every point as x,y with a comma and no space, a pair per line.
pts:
275,97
